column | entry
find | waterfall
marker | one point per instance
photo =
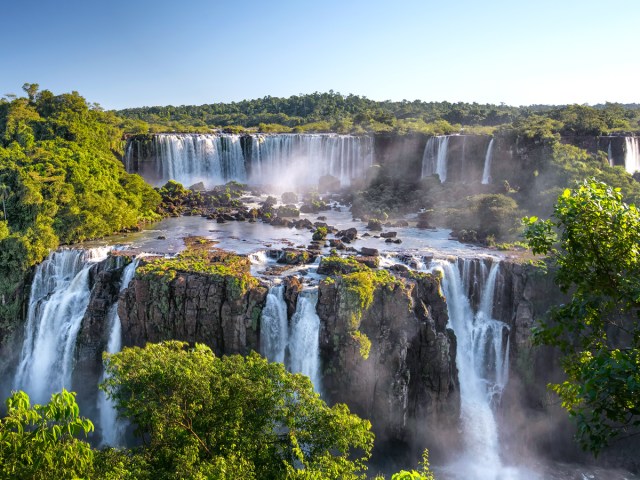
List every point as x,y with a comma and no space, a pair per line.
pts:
192,158
60,294
297,347
304,158
434,158
274,328
303,343
111,426
610,155
482,360
632,154
277,159
486,172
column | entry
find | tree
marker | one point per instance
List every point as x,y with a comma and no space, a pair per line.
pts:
596,257
200,416
39,441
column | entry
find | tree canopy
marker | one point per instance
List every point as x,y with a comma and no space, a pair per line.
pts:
202,416
332,111
61,181
40,441
593,244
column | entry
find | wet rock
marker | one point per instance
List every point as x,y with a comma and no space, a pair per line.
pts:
371,262
292,288
337,244
288,211
349,234
400,223
369,252
374,224
197,187
389,234
292,256
289,197
281,222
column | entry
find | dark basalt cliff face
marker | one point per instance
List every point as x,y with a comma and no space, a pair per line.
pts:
193,307
408,385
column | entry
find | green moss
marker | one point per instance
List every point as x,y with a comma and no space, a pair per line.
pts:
320,234
232,270
335,264
361,285
357,290
364,344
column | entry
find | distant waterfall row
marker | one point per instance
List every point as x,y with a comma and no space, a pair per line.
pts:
60,295
622,151
454,158
268,159
295,345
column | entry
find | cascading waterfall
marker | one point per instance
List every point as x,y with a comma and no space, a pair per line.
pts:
111,426
632,154
276,159
297,347
59,298
434,158
192,158
486,171
482,360
303,343
303,159
274,327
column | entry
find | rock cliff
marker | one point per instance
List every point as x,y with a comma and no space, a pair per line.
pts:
387,353
195,297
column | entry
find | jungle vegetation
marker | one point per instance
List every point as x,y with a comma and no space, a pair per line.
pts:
61,181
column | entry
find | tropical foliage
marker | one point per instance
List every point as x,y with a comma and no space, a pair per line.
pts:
61,181
593,243
334,112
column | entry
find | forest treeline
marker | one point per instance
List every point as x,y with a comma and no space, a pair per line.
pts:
61,181
333,112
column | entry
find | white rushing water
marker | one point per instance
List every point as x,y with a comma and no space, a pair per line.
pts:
60,294
632,154
284,160
434,158
192,158
274,327
486,171
112,427
482,360
303,343
301,159
297,347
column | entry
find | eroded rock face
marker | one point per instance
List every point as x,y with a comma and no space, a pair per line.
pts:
93,335
193,307
408,385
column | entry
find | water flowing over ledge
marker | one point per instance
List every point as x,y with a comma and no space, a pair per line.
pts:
273,159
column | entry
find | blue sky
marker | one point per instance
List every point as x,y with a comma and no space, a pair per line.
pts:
133,53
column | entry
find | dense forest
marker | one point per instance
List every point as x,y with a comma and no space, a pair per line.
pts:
61,181
333,112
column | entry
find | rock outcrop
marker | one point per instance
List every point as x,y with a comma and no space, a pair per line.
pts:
218,304
388,354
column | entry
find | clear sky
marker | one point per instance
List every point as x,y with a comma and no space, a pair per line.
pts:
128,53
